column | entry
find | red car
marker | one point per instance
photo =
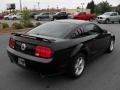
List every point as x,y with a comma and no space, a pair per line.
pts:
1,16
84,16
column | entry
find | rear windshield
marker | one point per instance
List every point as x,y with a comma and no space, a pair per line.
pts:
53,29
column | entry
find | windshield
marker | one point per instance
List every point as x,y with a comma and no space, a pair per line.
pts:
53,29
107,13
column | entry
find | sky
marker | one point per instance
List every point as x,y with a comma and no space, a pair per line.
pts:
52,3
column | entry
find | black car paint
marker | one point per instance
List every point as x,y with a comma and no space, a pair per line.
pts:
60,16
65,49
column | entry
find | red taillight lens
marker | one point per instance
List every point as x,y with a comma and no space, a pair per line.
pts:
12,43
42,51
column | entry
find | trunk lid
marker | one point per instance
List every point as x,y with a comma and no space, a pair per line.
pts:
27,43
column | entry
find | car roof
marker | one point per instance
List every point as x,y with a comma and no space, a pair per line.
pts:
110,12
72,21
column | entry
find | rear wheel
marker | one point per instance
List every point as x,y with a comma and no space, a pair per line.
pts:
77,66
38,18
111,46
14,18
113,22
91,19
6,18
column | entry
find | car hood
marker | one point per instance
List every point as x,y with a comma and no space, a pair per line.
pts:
37,15
7,16
103,16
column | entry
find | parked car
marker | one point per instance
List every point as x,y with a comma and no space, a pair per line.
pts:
60,15
13,16
84,16
43,16
109,17
33,15
1,16
58,46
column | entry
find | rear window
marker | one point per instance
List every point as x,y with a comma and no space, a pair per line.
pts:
53,29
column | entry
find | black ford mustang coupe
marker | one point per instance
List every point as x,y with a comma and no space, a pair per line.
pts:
63,45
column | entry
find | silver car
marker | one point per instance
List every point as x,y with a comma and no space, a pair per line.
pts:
109,17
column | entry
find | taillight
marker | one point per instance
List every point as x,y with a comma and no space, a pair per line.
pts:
12,43
44,52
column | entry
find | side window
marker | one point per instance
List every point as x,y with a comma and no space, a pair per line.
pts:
45,14
77,33
62,13
114,14
91,29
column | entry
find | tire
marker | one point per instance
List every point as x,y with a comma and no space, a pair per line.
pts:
14,18
54,19
38,18
76,66
99,22
91,19
6,18
107,21
113,22
111,46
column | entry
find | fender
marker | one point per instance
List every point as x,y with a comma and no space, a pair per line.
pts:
79,48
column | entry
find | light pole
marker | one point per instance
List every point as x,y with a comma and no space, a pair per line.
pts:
82,4
20,5
38,5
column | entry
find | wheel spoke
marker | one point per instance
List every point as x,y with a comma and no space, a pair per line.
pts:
79,66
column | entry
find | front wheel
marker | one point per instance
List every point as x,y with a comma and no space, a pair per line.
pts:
107,21
111,46
38,18
77,66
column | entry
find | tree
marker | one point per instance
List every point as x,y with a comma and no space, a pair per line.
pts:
26,19
91,6
118,9
103,7
88,6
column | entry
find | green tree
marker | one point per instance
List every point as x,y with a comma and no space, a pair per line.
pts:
103,7
91,6
118,9
26,19
88,6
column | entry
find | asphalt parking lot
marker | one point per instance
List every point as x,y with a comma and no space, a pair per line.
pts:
102,74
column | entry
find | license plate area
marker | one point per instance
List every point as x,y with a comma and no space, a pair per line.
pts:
21,62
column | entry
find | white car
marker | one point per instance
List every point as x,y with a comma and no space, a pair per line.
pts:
13,17
109,17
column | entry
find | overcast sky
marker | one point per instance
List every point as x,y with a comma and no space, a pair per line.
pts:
52,3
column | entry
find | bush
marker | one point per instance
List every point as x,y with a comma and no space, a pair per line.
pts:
17,26
38,24
5,25
28,24
26,19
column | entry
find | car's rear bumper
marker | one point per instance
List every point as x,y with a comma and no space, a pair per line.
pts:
44,66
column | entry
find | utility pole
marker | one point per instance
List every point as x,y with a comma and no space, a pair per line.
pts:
20,5
38,5
82,4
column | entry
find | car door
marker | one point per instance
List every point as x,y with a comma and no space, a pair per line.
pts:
84,38
100,40
62,15
114,17
45,16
